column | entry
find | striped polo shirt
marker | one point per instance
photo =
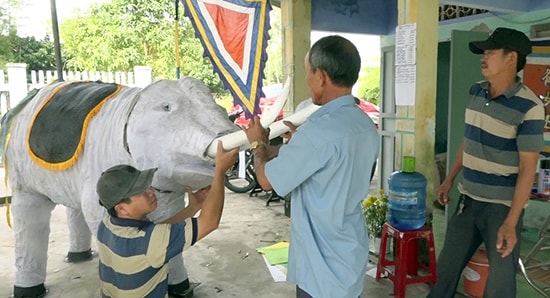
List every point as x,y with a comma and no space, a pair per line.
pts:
134,255
497,129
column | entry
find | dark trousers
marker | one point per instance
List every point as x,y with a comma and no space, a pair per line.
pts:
303,294
478,223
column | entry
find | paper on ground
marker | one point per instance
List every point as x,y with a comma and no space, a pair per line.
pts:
276,253
278,272
371,272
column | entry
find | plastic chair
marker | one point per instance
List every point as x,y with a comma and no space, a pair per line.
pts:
406,262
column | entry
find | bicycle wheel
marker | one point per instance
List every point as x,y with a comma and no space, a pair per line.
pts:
241,184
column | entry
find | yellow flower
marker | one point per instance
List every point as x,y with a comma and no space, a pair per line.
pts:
367,203
375,207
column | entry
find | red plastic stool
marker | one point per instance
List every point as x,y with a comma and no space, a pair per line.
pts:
406,263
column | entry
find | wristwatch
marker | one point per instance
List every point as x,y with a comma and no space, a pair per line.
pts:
256,144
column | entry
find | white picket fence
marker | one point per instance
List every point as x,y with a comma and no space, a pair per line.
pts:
15,86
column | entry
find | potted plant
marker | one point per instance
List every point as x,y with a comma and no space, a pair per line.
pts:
375,208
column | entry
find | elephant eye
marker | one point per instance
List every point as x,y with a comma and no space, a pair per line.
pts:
166,107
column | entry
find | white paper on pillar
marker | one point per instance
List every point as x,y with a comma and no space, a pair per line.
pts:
242,164
405,85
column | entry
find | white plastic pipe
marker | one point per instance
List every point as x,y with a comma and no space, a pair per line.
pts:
238,139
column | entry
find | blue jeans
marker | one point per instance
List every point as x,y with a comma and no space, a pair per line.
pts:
478,222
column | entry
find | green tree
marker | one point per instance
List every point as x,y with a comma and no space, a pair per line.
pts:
369,84
6,50
8,31
7,10
37,54
121,34
274,65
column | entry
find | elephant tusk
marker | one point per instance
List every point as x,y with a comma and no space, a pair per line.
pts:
239,139
271,114
278,128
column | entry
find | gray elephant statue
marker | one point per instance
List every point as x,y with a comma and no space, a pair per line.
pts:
63,137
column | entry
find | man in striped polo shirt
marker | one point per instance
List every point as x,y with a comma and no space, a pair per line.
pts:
134,252
498,158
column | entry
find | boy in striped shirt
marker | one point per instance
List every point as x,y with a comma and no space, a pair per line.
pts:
134,252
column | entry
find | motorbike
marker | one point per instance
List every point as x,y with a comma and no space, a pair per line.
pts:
241,177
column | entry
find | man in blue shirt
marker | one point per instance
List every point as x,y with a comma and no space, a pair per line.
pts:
326,167
134,252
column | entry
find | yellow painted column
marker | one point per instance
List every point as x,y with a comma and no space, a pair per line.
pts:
416,124
296,30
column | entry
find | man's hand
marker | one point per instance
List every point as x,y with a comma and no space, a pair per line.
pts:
292,128
442,192
195,204
506,239
225,159
197,198
256,132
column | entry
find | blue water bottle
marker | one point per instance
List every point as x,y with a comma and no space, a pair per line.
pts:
407,197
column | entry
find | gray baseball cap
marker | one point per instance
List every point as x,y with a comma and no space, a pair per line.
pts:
121,182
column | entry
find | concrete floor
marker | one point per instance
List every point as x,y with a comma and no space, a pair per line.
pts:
225,262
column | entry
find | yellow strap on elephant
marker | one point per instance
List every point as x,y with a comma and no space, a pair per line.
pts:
8,214
8,217
8,137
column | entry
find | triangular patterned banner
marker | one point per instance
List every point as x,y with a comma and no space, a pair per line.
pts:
234,35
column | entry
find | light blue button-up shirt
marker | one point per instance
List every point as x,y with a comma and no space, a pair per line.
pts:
327,167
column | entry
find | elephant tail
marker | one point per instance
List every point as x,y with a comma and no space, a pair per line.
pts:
6,124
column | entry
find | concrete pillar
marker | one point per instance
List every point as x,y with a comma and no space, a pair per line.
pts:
417,123
17,81
142,75
296,30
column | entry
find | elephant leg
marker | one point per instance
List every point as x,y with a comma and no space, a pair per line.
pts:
178,272
178,280
92,212
80,237
31,214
